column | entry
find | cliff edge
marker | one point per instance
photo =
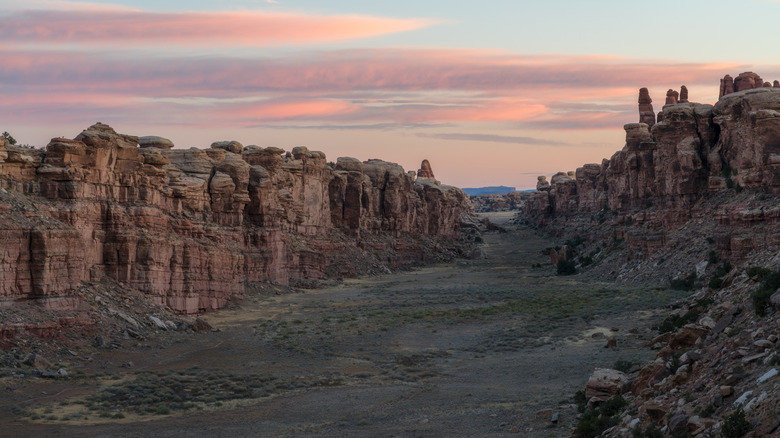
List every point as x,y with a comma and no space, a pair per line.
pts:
192,228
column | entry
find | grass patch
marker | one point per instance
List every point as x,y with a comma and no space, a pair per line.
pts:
165,393
595,421
760,296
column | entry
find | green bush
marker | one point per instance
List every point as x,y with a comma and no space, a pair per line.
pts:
761,296
623,365
566,267
757,273
575,241
685,284
650,432
8,137
715,283
736,425
595,421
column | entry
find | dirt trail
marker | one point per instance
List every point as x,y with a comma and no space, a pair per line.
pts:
472,348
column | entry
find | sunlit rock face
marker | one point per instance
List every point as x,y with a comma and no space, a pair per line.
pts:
692,152
191,227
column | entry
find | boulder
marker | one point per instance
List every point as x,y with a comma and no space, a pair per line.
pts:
152,141
228,145
606,383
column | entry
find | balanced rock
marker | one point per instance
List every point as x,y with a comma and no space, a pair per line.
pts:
542,183
153,141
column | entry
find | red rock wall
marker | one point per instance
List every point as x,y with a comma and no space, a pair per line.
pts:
694,151
190,227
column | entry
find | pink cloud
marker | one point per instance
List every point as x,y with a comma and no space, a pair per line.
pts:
91,26
381,87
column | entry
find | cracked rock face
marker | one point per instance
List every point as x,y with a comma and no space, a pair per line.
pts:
191,227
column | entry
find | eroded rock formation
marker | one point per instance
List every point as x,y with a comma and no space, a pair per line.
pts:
693,151
190,227
646,113
744,81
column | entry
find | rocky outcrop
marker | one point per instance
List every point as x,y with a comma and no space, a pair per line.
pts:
693,152
425,170
191,228
683,94
671,97
745,81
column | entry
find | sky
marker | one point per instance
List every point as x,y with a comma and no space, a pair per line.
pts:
495,92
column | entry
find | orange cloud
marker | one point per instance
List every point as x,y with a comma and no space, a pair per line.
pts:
246,28
355,89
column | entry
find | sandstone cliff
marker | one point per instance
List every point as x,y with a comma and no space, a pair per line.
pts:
192,228
656,184
691,203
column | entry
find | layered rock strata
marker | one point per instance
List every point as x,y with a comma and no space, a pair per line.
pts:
190,227
694,151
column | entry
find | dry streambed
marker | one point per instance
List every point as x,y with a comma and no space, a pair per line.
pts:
487,348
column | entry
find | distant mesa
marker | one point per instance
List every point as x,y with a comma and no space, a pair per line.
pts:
490,190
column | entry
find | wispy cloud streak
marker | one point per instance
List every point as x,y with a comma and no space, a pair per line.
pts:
493,138
386,88
132,28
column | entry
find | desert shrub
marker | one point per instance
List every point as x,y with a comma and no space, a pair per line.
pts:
685,284
650,432
738,188
8,137
566,267
673,322
717,277
758,273
575,241
715,283
585,261
580,400
595,421
736,425
712,257
623,365
729,183
761,296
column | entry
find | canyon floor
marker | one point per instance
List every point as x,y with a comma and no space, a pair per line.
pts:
472,348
